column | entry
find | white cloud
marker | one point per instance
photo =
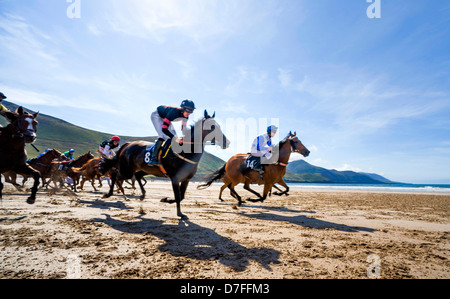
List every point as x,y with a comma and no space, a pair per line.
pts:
284,76
32,98
246,80
348,167
196,19
25,42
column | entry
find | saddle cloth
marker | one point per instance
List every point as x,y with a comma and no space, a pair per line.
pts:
163,149
253,162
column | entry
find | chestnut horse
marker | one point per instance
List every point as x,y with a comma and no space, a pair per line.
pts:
21,130
180,164
235,170
59,171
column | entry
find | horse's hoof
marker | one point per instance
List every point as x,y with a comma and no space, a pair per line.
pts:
183,217
31,201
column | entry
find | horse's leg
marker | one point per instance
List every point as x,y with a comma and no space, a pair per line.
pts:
183,187
234,193
177,194
1,186
120,187
11,177
267,188
111,188
247,187
25,169
139,176
92,183
282,183
221,191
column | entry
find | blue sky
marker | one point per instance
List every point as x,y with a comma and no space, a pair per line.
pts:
363,94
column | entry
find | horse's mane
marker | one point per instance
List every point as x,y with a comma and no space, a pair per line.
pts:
282,142
192,127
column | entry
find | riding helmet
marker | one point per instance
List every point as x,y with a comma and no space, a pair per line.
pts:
2,96
115,138
188,106
272,129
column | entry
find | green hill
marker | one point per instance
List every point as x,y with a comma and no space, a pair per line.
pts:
302,171
61,135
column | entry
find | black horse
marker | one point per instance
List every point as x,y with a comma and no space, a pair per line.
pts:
21,130
179,162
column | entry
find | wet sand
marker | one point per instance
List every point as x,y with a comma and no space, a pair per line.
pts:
309,234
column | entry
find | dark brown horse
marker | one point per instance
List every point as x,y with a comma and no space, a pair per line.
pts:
41,164
180,162
13,156
235,170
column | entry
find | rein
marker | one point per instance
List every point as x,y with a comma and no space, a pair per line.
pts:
184,158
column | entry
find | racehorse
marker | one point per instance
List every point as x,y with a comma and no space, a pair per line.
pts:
41,164
179,162
90,172
21,130
59,171
235,170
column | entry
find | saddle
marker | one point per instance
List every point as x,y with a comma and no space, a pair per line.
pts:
165,147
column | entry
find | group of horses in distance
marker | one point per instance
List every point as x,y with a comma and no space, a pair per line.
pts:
179,162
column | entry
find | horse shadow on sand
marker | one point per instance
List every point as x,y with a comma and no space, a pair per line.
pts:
303,220
104,205
188,239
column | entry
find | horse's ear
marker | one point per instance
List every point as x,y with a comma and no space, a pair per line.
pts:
35,114
206,114
214,115
295,133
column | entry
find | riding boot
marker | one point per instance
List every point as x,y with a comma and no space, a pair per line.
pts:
154,160
261,173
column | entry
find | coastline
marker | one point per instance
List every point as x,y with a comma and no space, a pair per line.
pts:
308,234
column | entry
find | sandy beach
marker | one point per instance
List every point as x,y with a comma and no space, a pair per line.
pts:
309,234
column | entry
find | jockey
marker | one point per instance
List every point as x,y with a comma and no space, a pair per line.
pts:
262,146
2,97
162,120
69,154
107,146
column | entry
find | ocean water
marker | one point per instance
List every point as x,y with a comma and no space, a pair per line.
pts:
425,188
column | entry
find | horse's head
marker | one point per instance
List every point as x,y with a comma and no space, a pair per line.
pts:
297,146
87,156
49,156
212,132
23,123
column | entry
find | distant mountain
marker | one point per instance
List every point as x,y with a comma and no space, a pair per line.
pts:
61,135
302,171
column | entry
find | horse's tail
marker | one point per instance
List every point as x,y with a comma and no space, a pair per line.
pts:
106,163
217,175
81,169
78,170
